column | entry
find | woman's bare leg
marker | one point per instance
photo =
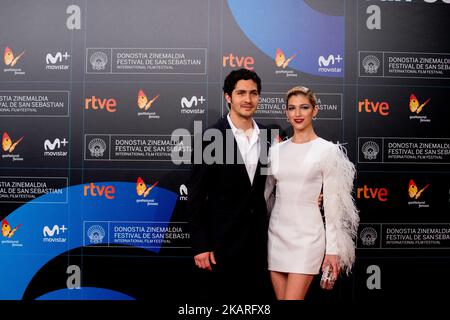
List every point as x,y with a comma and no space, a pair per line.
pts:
279,281
297,286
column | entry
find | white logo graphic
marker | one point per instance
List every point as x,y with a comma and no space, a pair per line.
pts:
97,147
48,145
51,232
370,150
55,62
331,59
183,193
98,60
186,104
368,236
50,235
96,234
371,64
58,57
183,190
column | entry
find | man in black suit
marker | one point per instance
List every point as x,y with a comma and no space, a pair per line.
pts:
229,217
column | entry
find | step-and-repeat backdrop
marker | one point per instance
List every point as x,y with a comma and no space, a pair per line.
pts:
92,205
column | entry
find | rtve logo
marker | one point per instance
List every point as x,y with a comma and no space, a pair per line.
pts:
372,193
234,61
99,191
369,106
95,103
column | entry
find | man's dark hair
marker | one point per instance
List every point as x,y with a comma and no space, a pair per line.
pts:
241,74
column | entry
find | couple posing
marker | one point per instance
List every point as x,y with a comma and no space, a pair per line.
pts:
235,240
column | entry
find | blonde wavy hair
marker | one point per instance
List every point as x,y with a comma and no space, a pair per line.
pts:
300,90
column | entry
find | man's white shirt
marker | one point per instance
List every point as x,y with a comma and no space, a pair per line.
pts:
248,144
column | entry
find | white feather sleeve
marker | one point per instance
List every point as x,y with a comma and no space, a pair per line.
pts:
341,214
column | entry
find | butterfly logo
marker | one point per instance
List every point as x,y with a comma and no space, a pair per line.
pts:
9,58
413,190
6,229
414,104
142,189
280,59
7,143
143,102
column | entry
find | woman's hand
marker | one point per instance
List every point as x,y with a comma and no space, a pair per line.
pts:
332,261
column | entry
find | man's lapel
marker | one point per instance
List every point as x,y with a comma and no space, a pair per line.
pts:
238,161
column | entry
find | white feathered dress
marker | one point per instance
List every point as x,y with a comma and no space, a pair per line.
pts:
298,239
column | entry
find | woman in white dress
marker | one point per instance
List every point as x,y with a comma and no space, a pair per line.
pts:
300,245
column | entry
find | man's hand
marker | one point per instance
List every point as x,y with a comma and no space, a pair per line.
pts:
204,260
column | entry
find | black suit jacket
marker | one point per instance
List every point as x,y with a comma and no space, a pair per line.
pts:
228,213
